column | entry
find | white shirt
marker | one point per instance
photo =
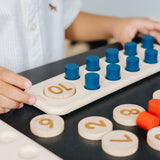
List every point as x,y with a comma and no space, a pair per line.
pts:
32,31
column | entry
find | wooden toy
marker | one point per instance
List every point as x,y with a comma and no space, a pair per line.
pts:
120,143
59,90
153,138
112,72
156,94
17,146
93,128
147,121
154,107
47,125
126,114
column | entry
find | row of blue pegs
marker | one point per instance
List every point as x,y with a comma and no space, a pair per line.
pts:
112,57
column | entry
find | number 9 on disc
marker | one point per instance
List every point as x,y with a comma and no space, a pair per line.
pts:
47,125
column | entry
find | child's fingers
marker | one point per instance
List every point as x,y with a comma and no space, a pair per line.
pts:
156,25
143,31
14,79
8,103
147,24
3,110
125,38
16,94
156,35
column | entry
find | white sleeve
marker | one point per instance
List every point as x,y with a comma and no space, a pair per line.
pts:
71,9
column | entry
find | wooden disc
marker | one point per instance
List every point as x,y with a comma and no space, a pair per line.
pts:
120,143
93,128
153,138
156,94
126,114
47,125
59,90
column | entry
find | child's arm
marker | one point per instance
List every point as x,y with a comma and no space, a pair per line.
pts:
90,27
11,91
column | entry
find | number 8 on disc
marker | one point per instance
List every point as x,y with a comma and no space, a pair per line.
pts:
126,114
47,125
93,128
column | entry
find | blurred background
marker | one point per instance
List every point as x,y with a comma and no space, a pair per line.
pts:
120,8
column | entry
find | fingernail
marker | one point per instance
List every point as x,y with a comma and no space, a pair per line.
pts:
7,110
28,84
32,100
20,105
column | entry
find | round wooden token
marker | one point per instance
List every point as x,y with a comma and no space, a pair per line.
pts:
156,94
126,114
153,138
120,143
46,125
93,128
59,90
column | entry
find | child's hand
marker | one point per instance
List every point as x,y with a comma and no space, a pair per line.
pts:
12,95
90,27
125,29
